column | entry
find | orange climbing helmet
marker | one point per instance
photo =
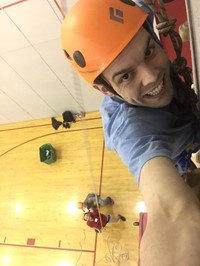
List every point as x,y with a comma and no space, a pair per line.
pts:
94,33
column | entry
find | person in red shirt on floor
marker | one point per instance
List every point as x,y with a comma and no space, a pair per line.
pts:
99,220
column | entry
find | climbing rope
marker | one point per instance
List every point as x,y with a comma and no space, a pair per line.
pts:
167,27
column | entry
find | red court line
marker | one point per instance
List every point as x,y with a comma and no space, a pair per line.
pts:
95,250
13,4
100,185
23,143
101,174
60,9
43,247
43,125
102,163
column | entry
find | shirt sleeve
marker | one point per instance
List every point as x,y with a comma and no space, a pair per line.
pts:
140,134
135,141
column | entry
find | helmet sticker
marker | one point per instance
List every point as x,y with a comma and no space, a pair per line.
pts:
118,16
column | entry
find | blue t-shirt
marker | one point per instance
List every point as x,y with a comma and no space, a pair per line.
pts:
139,134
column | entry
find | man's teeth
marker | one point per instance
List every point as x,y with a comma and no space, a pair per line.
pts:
156,90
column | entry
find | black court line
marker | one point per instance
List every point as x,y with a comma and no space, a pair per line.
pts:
54,133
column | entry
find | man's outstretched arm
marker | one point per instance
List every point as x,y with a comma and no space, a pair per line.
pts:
172,235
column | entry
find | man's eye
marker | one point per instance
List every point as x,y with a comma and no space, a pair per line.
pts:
149,52
125,77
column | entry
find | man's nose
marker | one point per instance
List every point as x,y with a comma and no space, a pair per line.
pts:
148,74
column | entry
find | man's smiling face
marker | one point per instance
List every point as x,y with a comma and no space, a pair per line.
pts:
140,74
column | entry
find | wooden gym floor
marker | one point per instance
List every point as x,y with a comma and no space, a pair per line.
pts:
37,228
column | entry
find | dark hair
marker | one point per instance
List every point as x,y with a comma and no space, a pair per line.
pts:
101,80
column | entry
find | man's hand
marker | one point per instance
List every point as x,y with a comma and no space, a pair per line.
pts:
172,235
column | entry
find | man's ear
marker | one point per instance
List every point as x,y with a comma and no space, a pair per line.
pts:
103,89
